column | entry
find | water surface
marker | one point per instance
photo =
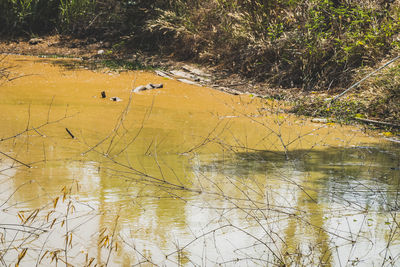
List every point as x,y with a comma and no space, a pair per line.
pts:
183,175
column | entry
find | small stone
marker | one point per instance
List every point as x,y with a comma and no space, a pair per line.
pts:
149,86
154,86
100,52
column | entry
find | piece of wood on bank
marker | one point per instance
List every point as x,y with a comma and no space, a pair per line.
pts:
184,74
378,122
188,82
393,140
163,74
196,71
363,79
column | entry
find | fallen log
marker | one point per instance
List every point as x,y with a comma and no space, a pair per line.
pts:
378,122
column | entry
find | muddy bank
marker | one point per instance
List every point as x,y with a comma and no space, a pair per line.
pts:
363,105
92,50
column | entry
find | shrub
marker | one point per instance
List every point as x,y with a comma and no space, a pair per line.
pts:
26,16
311,44
76,15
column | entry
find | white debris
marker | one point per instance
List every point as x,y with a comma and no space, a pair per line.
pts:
139,88
319,120
196,71
188,81
163,74
116,99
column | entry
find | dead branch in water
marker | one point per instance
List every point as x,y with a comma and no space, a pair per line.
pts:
30,128
14,159
6,75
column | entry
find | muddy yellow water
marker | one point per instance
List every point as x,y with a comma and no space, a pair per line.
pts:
182,175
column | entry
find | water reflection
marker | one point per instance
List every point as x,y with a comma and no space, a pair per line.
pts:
355,174
336,197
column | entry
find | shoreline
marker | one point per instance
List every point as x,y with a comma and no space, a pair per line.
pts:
98,54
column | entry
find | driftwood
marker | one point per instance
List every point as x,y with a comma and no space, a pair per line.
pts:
188,81
378,122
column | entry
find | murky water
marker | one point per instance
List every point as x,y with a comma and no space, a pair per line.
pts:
183,175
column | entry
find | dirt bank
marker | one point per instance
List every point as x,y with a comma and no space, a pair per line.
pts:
359,106
96,51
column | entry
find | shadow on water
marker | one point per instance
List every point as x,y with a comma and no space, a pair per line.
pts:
94,64
367,176
69,63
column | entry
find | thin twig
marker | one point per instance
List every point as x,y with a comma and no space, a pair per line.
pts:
14,159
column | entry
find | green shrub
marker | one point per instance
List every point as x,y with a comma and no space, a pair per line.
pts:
27,16
76,15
